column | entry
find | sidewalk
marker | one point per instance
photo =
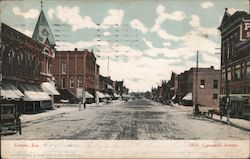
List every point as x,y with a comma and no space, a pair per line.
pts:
60,109
239,123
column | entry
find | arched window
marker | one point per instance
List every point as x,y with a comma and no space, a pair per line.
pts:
11,55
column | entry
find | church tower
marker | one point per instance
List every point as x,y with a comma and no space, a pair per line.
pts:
42,32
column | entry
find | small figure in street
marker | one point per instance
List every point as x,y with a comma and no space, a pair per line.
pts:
97,100
196,109
84,104
80,106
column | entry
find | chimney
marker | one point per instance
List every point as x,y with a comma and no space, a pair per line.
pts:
75,49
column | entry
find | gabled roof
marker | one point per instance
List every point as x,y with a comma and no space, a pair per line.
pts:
42,32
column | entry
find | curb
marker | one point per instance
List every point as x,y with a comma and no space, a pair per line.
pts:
231,124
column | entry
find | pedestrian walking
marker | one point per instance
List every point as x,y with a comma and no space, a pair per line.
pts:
84,104
97,100
80,106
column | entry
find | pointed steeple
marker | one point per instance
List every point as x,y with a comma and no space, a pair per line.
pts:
42,32
226,16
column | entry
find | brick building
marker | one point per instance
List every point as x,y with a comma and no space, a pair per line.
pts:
26,65
182,86
206,88
118,87
76,70
106,86
235,61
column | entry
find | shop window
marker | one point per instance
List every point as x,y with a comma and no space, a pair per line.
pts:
79,82
229,74
63,82
71,82
248,70
64,67
50,69
215,84
215,96
223,75
202,84
237,72
242,72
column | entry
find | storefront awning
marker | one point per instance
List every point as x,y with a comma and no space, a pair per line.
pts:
49,88
125,96
109,87
33,92
88,95
237,97
107,95
188,96
100,94
173,97
10,92
116,95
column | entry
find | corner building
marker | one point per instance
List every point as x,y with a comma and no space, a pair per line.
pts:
235,58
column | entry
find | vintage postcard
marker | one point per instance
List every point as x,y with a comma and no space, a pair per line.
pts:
125,78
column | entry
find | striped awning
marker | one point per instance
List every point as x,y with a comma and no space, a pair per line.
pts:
49,88
10,92
188,96
116,95
100,94
33,92
88,95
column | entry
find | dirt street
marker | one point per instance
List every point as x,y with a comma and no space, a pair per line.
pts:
133,120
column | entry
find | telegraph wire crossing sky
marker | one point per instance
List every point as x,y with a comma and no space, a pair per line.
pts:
144,40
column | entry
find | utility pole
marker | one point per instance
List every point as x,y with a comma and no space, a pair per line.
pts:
196,107
196,78
108,67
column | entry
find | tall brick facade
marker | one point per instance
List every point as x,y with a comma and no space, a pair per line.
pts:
76,69
235,58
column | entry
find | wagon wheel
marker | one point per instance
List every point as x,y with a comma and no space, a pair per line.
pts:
19,125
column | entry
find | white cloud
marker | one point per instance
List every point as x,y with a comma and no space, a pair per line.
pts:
137,24
162,17
207,4
77,21
106,33
195,23
148,43
31,13
232,10
51,12
80,45
71,16
166,44
166,36
114,18
24,31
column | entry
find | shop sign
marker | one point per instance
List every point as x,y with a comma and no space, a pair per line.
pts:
245,29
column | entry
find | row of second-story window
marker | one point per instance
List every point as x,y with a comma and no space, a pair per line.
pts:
70,83
237,72
202,85
238,90
17,61
64,68
229,46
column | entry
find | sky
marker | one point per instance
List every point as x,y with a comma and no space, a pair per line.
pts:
138,41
